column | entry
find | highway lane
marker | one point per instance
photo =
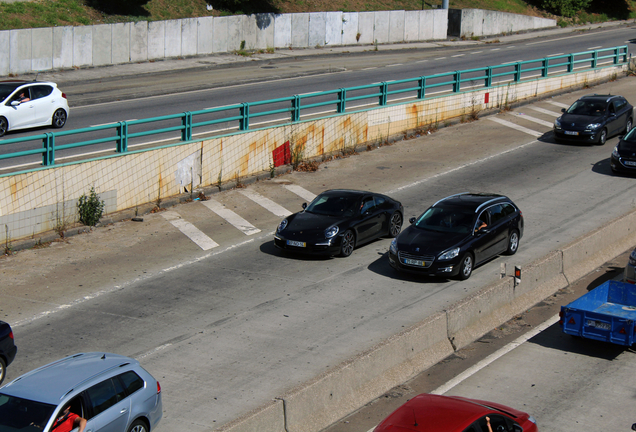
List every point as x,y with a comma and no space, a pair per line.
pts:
228,329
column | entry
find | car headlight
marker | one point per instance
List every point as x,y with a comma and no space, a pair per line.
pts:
282,225
449,254
393,247
331,232
615,152
594,126
557,123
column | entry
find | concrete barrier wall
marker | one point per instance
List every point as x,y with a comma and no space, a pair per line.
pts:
30,50
479,22
43,200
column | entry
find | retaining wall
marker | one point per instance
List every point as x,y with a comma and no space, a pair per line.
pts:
479,22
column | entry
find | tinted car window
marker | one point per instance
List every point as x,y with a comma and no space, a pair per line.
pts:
445,219
105,394
334,205
620,104
496,213
17,413
367,204
132,382
40,91
582,107
7,89
498,424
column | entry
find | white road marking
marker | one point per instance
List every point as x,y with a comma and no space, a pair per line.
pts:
594,47
266,203
421,61
227,214
516,127
301,192
440,58
458,55
554,55
494,356
477,52
559,104
159,348
370,68
545,111
192,232
535,120
495,49
396,64
511,46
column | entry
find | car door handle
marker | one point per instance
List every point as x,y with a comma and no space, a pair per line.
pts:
123,410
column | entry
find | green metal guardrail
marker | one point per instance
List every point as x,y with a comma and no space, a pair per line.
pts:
293,106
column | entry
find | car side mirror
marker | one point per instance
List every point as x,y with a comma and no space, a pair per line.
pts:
562,109
412,220
15,103
304,206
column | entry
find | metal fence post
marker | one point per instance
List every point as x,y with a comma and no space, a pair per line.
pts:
517,72
571,63
489,77
244,123
383,89
48,143
616,50
458,81
594,58
295,114
421,91
544,71
186,121
342,100
122,141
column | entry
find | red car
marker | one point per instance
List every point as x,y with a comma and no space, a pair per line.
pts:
433,413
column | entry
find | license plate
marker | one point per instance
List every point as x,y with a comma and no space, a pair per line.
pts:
296,243
630,163
414,262
599,325
570,133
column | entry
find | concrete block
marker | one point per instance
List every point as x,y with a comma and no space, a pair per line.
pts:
412,25
102,45
156,40
282,31
42,51
317,29
426,25
366,26
264,30
189,33
20,45
349,28
269,418
219,34
62,47
396,26
317,404
539,280
121,42
4,60
83,46
139,41
204,35
381,27
300,30
333,28
235,34
173,38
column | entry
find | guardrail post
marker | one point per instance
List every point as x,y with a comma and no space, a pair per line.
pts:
457,82
616,51
244,123
571,63
122,140
295,114
186,122
48,143
489,77
594,58
383,90
544,71
517,72
342,100
421,91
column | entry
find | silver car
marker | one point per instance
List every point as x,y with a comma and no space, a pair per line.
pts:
630,269
112,392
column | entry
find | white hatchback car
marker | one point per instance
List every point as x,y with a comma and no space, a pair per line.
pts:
27,104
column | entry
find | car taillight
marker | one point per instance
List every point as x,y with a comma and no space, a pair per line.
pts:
158,387
64,95
10,335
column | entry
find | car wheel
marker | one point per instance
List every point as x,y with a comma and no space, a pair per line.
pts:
138,426
347,243
513,243
59,118
395,224
602,137
628,126
3,369
4,126
466,267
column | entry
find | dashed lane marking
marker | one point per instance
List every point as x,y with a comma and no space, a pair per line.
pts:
559,104
301,192
545,111
192,232
266,203
516,127
234,219
535,120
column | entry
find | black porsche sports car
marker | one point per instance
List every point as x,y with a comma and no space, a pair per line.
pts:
339,220
457,233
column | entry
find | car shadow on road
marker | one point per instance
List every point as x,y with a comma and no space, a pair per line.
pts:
382,267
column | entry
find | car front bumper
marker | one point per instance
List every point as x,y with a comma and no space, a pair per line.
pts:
621,165
448,268
327,248
581,136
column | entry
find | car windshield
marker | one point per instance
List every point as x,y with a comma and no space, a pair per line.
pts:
446,219
7,89
334,205
631,136
587,108
17,413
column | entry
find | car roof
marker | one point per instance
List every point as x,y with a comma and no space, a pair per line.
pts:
473,201
351,192
428,412
599,98
51,382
